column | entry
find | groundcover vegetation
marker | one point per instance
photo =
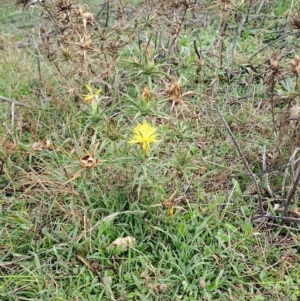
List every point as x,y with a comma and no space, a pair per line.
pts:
149,150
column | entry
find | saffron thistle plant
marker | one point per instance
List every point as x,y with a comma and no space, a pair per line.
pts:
144,134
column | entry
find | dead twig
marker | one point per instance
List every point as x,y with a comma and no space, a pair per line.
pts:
284,218
14,102
266,174
291,162
107,14
265,47
239,32
242,157
292,192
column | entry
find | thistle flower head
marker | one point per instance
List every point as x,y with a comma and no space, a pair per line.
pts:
147,95
175,91
91,97
295,65
144,134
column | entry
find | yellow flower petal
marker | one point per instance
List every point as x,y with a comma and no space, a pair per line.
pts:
144,134
98,92
88,98
89,88
171,211
91,96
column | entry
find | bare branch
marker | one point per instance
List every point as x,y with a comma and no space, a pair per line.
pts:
242,157
16,103
292,191
284,218
266,175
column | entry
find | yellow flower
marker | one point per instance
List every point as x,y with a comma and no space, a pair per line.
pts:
92,97
144,134
171,211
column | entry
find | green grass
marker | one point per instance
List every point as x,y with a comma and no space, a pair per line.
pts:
58,220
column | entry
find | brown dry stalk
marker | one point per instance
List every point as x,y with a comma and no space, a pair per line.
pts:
242,157
14,102
292,192
284,218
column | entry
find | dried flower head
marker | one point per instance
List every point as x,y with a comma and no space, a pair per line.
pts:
66,54
87,161
123,243
296,20
147,95
227,4
274,60
175,91
144,134
295,65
